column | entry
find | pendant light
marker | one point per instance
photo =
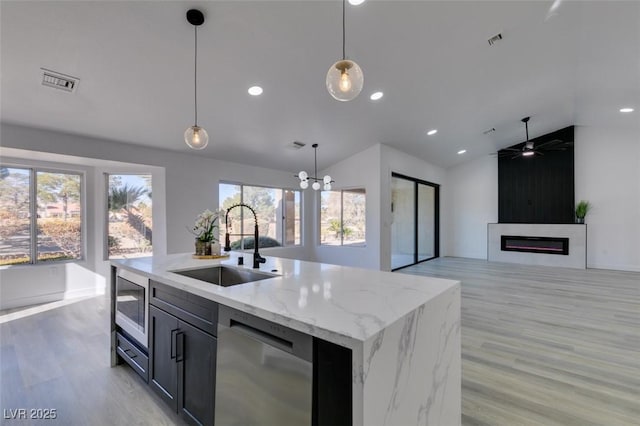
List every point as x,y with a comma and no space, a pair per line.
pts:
304,176
195,136
345,78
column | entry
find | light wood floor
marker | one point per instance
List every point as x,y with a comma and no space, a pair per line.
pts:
546,346
540,346
59,359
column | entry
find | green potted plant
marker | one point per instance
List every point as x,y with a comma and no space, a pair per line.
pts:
582,208
205,230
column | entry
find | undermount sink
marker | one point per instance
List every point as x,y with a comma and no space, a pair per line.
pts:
224,276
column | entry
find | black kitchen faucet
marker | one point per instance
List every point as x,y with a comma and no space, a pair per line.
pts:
257,259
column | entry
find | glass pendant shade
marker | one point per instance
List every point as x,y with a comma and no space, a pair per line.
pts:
304,184
327,179
327,187
345,80
196,137
303,175
316,185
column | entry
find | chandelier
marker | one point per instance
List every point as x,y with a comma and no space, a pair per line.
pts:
305,178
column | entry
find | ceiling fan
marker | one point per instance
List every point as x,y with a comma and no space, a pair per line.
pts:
527,149
531,148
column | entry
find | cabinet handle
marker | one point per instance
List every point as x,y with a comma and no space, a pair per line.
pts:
130,353
179,346
173,343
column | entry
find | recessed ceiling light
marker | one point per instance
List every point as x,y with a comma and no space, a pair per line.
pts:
462,151
626,110
255,90
356,2
432,132
376,95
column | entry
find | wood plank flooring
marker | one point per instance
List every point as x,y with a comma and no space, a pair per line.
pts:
546,346
540,346
59,359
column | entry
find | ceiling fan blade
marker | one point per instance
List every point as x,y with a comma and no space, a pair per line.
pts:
555,141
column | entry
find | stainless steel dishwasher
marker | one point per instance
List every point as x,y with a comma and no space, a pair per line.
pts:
264,372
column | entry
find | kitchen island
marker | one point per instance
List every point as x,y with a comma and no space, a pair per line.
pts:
403,331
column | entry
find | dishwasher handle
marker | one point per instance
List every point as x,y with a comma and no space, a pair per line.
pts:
262,336
267,332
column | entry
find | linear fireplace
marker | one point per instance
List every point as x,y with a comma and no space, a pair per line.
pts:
548,245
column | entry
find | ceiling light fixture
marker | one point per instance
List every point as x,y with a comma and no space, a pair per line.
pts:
255,90
376,95
462,151
626,109
304,176
432,132
195,136
356,2
527,150
344,78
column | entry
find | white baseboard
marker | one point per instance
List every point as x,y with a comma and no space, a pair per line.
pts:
613,267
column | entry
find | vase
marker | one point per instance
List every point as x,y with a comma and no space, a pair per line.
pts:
579,219
203,248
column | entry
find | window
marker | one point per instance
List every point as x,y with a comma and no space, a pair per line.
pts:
342,217
278,212
45,231
129,216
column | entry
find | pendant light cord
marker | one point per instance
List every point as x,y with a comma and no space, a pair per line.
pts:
195,75
315,164
344,56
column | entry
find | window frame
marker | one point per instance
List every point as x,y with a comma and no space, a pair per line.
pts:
282,206
33,212
356,189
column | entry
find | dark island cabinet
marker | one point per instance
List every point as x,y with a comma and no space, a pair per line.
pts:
197,375
164,368
183,356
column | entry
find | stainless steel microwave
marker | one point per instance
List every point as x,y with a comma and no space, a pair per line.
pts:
132,305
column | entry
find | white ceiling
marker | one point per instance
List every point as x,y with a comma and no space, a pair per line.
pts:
577,65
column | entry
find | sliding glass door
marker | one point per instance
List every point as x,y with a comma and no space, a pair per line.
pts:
426,222
414,228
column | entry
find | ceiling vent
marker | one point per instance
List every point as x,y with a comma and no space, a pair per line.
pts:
296,145
59,81
496,38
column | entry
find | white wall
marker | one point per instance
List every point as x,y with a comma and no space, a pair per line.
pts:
189,183
392,160
472,203
607,173
358,171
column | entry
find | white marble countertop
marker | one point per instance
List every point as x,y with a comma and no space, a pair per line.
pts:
341,304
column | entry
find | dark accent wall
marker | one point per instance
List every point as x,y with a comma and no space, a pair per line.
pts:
538,189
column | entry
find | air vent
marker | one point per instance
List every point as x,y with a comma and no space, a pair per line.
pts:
296,145
488,131
493,40
58,80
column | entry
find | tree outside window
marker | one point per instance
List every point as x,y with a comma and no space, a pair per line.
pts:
130,216
56,216
343,217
